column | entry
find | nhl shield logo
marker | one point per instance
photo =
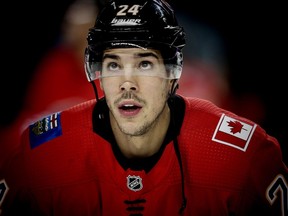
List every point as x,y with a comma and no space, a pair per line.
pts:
134,183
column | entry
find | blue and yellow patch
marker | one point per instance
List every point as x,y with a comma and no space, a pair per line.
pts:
45,129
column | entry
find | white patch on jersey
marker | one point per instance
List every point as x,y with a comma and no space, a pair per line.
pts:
233,132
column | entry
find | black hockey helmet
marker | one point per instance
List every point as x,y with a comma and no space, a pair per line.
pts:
135,23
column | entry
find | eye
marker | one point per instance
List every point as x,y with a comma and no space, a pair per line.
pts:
113,66
145,65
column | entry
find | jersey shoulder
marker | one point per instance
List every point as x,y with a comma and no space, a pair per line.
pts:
223,142
222,126
54,145
58,124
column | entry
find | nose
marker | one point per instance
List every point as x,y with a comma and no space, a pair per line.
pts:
128,85
129,80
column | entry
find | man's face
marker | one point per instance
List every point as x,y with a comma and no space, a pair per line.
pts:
134,87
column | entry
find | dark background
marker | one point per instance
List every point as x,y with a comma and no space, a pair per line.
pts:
255,37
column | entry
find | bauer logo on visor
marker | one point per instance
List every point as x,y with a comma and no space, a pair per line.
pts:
126,22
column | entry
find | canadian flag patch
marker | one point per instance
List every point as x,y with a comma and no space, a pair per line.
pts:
233,132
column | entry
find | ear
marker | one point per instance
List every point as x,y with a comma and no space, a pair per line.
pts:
101,86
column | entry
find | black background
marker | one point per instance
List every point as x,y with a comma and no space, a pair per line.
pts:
255,35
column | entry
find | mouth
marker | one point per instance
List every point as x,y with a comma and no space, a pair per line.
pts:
129,109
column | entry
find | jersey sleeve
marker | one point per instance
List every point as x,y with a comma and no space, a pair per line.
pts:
268,178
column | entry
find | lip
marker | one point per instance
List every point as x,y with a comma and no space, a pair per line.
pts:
129,108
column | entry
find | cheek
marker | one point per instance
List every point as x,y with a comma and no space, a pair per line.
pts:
108,85
159,89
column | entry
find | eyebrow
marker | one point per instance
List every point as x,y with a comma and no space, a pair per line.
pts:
147,55
141,55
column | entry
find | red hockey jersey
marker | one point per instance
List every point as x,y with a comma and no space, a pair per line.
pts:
230,167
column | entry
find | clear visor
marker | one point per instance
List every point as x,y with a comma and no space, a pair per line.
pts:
127,64
95,71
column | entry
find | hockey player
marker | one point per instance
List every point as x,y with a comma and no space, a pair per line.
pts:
143,149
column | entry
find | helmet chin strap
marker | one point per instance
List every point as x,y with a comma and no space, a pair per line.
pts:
175,86
95,90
